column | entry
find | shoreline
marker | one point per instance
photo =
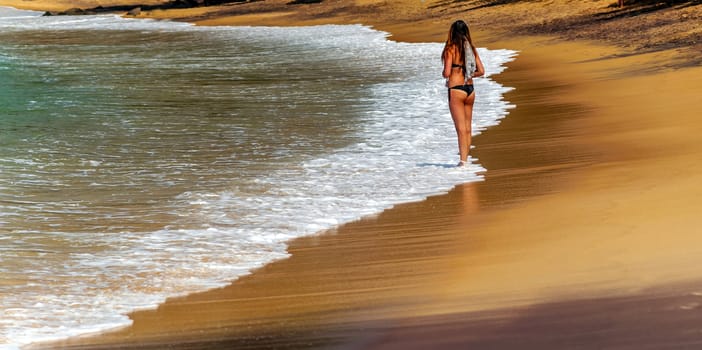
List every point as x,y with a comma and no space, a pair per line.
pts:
591,146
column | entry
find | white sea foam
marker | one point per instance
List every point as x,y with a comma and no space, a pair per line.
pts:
406,151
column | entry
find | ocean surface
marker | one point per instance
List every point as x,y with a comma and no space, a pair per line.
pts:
145,159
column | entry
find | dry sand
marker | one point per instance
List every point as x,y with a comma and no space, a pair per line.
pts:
585,233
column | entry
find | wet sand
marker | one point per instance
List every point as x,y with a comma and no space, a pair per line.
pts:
584,234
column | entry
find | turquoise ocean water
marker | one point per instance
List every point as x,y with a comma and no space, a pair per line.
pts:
142,159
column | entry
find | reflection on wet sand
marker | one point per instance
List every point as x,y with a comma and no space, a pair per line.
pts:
470,203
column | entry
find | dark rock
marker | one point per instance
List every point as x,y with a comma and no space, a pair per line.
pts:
74,12
134,12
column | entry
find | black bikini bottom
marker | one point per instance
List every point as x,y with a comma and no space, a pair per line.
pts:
468,88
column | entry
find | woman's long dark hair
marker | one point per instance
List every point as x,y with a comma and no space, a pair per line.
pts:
458,35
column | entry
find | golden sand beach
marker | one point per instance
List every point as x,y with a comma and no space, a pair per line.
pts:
585,233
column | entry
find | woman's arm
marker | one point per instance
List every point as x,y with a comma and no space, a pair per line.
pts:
479,68
448,61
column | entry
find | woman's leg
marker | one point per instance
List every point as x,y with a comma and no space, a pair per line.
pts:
468,117
457,106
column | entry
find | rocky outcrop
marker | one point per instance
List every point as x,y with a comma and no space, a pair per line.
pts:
72,12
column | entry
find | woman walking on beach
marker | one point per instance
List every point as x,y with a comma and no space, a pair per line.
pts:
461,65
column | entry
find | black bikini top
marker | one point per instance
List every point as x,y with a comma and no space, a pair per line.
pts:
453,65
